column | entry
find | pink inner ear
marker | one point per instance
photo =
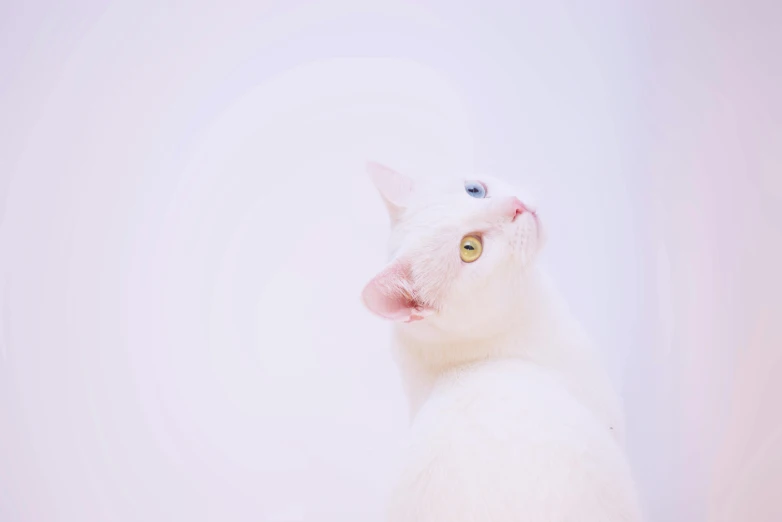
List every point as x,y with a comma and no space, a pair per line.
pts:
388,295
393,186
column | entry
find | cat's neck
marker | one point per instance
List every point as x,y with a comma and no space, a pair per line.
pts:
542,332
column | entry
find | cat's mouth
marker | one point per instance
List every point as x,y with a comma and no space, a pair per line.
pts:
537,226
524,212
533,223
521,209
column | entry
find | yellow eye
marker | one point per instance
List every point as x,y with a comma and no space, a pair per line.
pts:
470,249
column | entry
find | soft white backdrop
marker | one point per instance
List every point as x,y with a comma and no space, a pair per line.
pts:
185,227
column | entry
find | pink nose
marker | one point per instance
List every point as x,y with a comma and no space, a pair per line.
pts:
515,207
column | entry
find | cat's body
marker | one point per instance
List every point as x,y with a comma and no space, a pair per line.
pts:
513,417
505,441
531,429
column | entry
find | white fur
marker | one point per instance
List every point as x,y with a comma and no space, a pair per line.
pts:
513,417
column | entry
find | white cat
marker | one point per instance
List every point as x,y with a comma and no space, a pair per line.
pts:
513,417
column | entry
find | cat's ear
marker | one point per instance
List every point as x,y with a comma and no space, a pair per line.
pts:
389,295
395,188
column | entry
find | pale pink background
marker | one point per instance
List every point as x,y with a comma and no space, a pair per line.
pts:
185,227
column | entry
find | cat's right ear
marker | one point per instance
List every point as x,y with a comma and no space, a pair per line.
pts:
395,188
389,295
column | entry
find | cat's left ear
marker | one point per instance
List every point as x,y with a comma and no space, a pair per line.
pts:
390,296
395,188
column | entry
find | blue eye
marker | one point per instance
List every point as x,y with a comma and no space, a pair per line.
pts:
475,189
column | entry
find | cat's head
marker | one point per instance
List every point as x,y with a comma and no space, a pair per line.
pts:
461,251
